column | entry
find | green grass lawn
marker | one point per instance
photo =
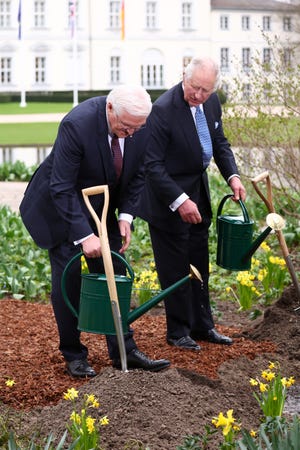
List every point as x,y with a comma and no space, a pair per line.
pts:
34,108
28,133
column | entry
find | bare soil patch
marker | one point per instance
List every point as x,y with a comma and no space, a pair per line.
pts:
156,409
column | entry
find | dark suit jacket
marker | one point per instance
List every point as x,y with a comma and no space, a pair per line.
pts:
53,209
174,158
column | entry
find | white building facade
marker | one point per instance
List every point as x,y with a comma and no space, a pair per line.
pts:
133,41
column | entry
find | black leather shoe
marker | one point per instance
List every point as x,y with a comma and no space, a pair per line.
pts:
216,338
138,360
185,342
80,368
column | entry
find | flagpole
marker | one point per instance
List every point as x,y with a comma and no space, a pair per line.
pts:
23,103
72,7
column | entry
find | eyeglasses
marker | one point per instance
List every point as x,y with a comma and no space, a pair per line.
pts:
200,89
127,127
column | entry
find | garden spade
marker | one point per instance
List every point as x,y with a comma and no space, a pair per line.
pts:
268,200
108,265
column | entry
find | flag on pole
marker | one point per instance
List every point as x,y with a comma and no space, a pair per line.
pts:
72,17
123,20
20,20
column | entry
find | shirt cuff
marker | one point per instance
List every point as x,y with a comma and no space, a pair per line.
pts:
231,176
178,202
82,239
127,217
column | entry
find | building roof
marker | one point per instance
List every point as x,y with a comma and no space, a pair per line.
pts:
253,5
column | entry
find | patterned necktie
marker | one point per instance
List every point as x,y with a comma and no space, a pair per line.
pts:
204,136
117,155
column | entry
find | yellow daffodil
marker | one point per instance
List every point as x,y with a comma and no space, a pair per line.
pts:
253,382
10,383
263,387
268,375
287,382
264,246
71,394
92,401
271,365
75,417
225,422
90,424
252,433
104,420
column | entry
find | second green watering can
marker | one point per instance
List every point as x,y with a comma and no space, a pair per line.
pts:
235,236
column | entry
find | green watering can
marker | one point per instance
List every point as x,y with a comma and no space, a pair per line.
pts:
235,233
95,311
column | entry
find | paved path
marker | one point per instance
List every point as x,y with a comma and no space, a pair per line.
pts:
11,193
27,118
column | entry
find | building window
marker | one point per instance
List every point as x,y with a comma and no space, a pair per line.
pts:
224,22
5,70
39,13
267,52
114,14
5,14
40,69
287,23
245,23
115,69
152,76
266,23
246,59
224,59
151,15
186,15
246,91
287,57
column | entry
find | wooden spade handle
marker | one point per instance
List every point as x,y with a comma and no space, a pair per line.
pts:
269,199
108,265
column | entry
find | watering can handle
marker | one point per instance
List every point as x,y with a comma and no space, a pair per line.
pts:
66,271
242,205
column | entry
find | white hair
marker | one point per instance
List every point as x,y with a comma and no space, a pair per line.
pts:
133,99
203,63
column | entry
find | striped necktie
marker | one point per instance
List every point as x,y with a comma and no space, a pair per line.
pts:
204,136
117,155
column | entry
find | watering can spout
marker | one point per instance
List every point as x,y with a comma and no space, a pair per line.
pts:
274,222
139,311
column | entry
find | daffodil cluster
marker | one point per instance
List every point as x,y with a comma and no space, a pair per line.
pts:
82,426
271,390
264,282
146,283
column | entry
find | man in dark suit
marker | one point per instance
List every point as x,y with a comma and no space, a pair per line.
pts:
176,201
55,214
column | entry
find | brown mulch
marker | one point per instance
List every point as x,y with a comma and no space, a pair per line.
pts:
145,410
29,341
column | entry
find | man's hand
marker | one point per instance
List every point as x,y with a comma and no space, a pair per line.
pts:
239,192
125,231
189,212
91,247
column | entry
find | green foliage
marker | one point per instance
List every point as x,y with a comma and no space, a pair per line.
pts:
17,171
13,445
276,433
24,268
